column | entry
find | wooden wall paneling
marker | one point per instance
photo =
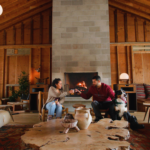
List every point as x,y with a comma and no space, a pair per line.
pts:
16,69
45,66
111,25
146,68
1,72
128,63
136,29
126,27
114,65
36,29
140,30
120,26
145,31
14,35
18,34
6,74
22,65
131,29
50,27
116,25
118,69
40,61
122,61
1,37
5,38
148,31
30,66
41,28
31,31
138,68
50,69
22,33
26,32
35,64
10,36
46,27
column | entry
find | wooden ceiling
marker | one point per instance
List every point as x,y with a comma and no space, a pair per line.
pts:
15,11
138,7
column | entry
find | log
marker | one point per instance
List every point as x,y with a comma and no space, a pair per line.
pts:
102,135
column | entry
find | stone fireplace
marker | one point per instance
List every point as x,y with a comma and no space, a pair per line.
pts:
80,41
80,81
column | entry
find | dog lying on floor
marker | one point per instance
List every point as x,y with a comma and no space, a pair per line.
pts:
120,102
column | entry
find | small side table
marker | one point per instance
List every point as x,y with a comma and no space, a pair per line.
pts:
147,105
13,104
7,108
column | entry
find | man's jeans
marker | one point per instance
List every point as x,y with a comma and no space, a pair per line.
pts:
97,106
52,108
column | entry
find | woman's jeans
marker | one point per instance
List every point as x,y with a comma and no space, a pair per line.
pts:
52,107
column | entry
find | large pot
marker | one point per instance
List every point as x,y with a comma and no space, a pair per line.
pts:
84,117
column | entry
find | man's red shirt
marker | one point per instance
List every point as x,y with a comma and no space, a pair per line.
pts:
104,93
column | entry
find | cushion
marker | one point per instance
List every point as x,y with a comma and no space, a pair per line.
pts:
147,89
140,95
140,88
4,117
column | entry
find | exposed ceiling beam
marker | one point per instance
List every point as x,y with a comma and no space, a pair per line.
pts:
135,5
16,12
145,2
25,16
129,9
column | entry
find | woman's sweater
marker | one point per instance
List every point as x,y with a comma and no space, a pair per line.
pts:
53,94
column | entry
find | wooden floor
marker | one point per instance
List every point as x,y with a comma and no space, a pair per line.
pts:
33,118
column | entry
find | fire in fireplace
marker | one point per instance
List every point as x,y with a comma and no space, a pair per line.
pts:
80,81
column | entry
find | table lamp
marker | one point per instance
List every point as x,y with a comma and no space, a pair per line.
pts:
124,77
1,9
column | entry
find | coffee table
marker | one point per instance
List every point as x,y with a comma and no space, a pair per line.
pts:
13,104
7,107
49,135
147,109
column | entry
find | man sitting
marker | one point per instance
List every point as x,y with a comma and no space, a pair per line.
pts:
102,98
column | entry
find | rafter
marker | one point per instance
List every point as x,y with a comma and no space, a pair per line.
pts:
129,9
25,16
25,8
135,5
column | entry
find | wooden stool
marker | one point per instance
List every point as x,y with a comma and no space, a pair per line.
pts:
147,105
13,104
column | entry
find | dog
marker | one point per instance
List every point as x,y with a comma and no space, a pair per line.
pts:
120,102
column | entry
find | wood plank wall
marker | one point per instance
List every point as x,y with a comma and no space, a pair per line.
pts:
125,27
36,30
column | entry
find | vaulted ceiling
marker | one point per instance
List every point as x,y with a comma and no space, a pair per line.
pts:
138,7
15,11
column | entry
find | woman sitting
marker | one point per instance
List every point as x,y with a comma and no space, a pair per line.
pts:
55,98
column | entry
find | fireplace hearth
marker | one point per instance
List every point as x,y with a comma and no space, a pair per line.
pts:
80,81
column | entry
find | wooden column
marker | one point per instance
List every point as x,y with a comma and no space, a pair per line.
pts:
22,33
126,27
50,74
128,63
116,25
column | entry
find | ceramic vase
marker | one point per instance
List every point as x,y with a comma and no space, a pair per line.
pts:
84,117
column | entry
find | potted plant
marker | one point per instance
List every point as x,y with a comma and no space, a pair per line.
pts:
23,91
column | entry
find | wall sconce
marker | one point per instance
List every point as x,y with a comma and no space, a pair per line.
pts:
1,9
39,69
124,77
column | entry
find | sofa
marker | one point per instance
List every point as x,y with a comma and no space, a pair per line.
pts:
4,117
142,96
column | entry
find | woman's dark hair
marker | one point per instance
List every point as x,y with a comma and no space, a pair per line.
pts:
97,78
55,81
